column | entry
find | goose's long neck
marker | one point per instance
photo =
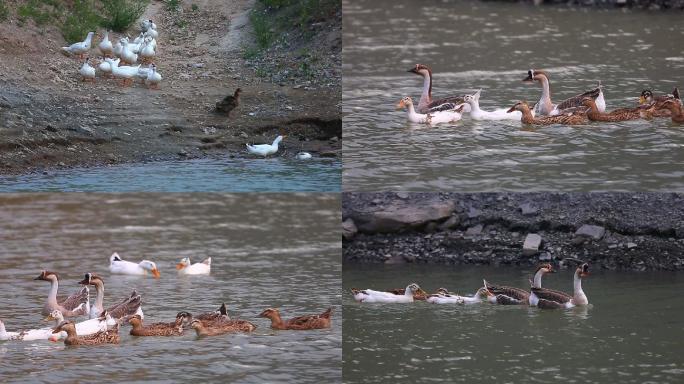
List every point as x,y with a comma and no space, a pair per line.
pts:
579,297
99,299
536,283
546,90
426,96
52,295
577,284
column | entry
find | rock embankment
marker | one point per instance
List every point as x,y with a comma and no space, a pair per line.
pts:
640,4
635,231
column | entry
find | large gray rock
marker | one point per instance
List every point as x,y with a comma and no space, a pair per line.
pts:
531,244
349,229
400,215
591,231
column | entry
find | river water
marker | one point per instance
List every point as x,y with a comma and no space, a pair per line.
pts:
630,333
256,264
200,175
491,45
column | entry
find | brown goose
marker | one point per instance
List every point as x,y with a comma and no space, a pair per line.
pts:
545,107
126,307
550,299
567,119
155,329
298,323
515,296
426,104
229,103
72,306
622,114
103,337
675,109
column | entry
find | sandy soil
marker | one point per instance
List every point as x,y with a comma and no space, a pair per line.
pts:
49,118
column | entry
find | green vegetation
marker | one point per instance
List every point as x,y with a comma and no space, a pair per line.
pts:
172,5
270,18
194,7
4,12
120,14
75,18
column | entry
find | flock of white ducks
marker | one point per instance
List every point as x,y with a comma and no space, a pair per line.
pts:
580,109
120,60
535,295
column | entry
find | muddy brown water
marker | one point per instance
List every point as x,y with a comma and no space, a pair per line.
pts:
491,45
630,333
255,265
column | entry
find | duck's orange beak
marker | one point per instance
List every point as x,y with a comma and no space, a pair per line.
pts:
180,266
155,273
401,104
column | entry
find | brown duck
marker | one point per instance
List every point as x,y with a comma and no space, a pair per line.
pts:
567,119
648,99
103,337
622,114
298,323
675,109
155,329
220,328
229,103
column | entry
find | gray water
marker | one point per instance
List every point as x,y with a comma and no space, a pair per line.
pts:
631,332
200,175
473,45
267,250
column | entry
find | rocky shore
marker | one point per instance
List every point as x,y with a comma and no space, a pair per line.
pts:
640,4
629,231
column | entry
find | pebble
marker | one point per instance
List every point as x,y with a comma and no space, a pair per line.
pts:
591,231
474,231
531,244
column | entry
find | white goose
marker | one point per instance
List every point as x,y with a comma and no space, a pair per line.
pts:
265,149
431,118
185,267
119,266
372,296
80,48
477,114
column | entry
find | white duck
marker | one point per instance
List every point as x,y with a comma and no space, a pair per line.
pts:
84,328
143,73
118,47
106,68
372,296
86,71
265,149
127,56
477,114
445,297
153,78
124,73
120,266
80,48
27,335
147,51
184,267
303,156
145,25
106,48
431,118
152,32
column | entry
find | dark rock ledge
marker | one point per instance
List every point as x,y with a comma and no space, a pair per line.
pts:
633,231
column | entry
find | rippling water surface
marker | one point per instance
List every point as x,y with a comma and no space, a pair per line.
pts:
267,250
201,175
631,333
473,45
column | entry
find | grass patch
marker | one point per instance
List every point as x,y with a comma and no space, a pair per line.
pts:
249,53
4,12
173,5
194,8
262,28
39,11
80,21
120,14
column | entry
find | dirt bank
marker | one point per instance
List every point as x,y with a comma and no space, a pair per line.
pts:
635,231
48,118
639,4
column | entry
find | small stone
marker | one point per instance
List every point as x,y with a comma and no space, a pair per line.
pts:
528,209
402,195
631,245
531,244
591,231
612,246
474,231
545,256
473,213
349,229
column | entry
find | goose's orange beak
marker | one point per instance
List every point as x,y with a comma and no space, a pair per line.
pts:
180,266
155,273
